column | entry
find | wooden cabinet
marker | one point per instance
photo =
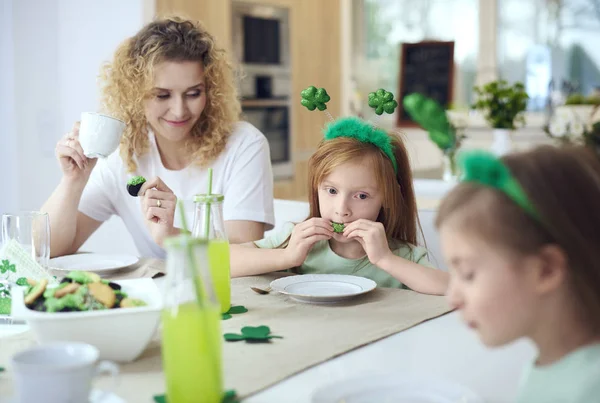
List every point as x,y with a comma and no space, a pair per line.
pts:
315,60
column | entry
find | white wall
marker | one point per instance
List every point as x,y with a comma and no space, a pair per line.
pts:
9,198
52,50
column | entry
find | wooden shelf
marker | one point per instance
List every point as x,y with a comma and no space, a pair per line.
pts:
264,103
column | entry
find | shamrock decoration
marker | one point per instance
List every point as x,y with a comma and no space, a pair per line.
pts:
234,310
1,369
230,396
432,117
251,334
6,266
314,98
382,101
22,281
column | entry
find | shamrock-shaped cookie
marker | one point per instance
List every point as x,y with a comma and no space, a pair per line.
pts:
314,98
382,101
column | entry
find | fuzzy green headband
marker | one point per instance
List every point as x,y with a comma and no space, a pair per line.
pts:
484,168
360,130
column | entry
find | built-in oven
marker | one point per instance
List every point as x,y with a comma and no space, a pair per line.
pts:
261,46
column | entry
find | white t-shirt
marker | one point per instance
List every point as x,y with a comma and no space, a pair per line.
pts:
242,173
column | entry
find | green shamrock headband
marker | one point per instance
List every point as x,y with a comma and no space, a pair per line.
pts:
484,168
352,127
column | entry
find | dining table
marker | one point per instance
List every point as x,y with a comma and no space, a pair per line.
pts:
387,332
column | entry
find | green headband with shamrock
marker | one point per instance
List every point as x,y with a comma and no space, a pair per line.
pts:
352,127
486,169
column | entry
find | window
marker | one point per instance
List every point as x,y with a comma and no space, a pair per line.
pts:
549,45
381,26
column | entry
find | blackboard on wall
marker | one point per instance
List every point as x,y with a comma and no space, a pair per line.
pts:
427,68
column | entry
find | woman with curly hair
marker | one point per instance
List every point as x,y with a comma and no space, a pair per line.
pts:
174,88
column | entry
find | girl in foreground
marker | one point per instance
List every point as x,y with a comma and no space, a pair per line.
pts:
521,239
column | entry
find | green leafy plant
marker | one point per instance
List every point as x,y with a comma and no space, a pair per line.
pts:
580,99
502,104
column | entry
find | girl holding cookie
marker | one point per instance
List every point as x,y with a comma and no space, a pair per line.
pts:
363,216
173,86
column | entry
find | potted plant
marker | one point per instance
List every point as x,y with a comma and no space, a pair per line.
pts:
579,106
502,105
567,128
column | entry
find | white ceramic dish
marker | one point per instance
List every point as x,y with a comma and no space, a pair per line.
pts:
395,388
323,288
121,335
97,396
103,264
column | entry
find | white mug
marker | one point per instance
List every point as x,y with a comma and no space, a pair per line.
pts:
58,372
99,135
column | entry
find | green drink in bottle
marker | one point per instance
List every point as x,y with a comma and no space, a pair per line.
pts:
209,225
191,325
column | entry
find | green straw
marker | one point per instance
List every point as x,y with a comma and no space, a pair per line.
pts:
207,211
196,278
192,257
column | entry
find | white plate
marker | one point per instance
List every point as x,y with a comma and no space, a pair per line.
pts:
96,262
395,388
96,396
323,288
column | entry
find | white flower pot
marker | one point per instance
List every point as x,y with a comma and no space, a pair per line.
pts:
502,143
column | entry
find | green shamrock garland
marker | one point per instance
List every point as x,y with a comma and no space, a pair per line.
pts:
382,101
6,266
259,334
313,98
234,310
230,396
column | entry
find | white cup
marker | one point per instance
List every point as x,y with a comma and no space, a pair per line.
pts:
99,135
58,373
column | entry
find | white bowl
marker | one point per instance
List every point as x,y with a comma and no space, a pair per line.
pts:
119,334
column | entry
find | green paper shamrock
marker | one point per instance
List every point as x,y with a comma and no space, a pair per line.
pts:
234,310
313,98
22,281
252,335
382,101
338,227
230,396
1,369
6,266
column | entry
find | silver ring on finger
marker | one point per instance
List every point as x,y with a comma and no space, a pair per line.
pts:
158,203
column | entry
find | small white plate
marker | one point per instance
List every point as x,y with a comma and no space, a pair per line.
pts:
396,388
96,262
96,396
323,288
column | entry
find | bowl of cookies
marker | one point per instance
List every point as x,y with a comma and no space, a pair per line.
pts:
119,318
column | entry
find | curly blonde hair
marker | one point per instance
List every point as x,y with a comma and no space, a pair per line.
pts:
126,83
